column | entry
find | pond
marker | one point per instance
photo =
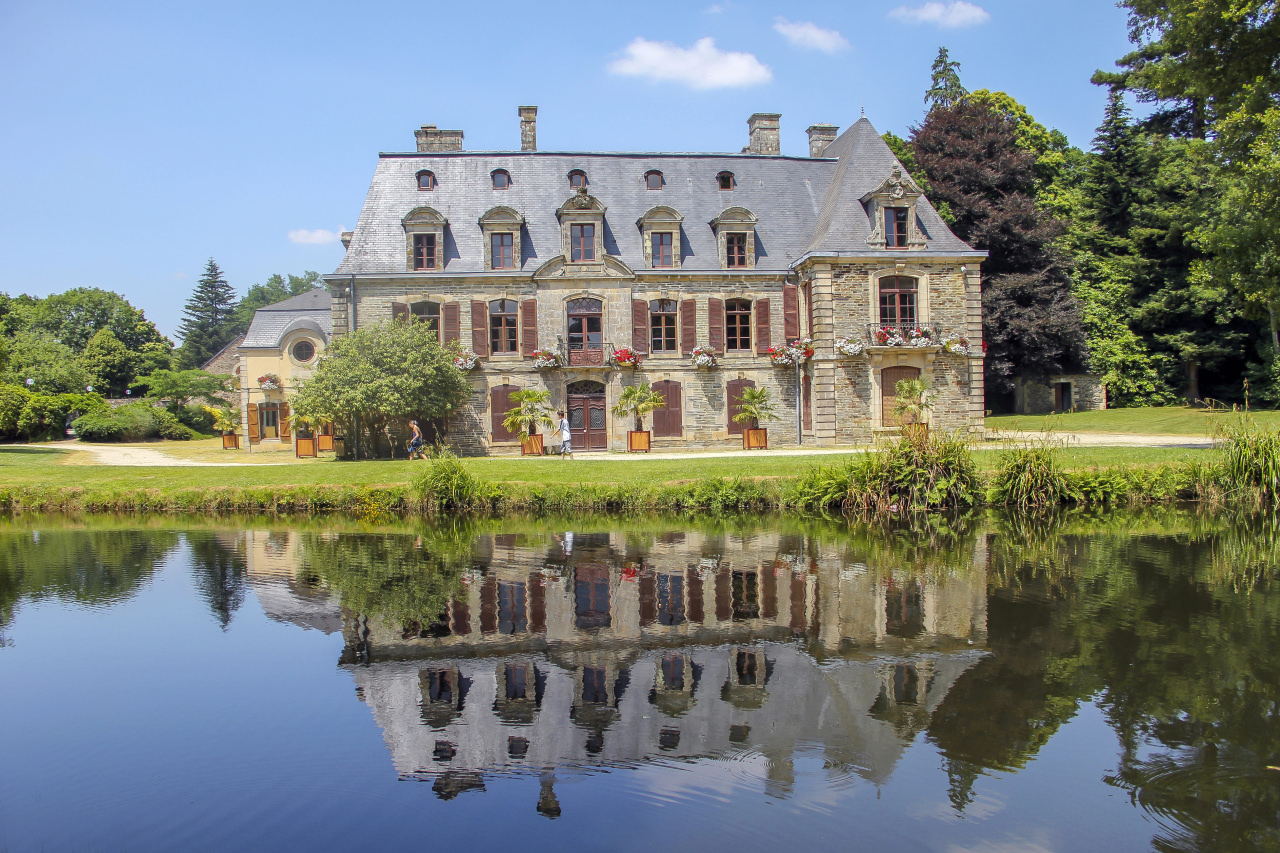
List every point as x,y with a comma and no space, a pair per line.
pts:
984,683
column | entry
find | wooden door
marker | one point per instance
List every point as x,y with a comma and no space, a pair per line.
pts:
587,422
889,379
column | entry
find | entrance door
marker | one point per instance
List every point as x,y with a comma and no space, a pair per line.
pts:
1062,401
269,420
889,379
586,416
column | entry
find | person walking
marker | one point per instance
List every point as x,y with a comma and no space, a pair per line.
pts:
415,443
566,437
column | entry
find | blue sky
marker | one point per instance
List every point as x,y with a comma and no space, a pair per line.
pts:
144,138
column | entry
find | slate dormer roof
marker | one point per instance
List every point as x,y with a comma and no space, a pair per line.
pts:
803,205
311,310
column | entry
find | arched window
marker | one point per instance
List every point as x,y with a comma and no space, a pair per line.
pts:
503,320
653,180
501,179
737,332
586,331
725,181
426,180
577,178
428,313
898,300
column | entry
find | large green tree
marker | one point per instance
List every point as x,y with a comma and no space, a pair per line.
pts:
208,319
53,367
111,363
76,315
180,387
384,373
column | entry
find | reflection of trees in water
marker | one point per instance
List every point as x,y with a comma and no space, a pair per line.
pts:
218,568
94,567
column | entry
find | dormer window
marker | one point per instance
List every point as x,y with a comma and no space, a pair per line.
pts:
426,180
502,228
736,238
582,241
582,228
424,239
660,235
892,209
895,227
577,178
653,180
725,181
501,179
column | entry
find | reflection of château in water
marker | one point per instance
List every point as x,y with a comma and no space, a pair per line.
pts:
593,651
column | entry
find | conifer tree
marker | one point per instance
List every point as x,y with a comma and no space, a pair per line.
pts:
945,89
1113,177
207,319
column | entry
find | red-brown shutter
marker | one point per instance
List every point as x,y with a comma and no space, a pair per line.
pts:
790,312
400,311
806,402
667,421
254,437
715,324
479,328
688,326
528,326
451,323
762,326
284,421
499,405
640,326
732,391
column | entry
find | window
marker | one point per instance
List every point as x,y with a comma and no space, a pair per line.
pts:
735,238
304,351
502,325
735,250
725,181
653,180
426,180
502,255
737,315
577,178
427,313
662,325
895,227
662,256
898,300
582,240
586,331
501,179
424,251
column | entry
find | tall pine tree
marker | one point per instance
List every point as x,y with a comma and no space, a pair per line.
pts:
945,89
208,319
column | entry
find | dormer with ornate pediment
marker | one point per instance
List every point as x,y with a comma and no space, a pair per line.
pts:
660,234
892,208
735,230
424,239
582,231
501,227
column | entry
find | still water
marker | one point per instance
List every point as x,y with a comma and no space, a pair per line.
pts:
979,684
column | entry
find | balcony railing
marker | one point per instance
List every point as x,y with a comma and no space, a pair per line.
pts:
585,354
903,335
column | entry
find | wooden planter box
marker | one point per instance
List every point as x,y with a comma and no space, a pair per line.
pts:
324,442
304,447
531,446
231,441
638,441
755,439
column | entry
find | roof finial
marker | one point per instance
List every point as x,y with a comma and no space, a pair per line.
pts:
864,110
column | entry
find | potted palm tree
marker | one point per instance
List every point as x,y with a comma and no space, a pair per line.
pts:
638,401
755,405
910,407
530,412
226,421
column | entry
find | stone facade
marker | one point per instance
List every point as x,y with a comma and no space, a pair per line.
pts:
1074,392
812,266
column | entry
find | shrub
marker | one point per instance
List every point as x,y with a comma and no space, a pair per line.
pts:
12,400
1249,461
1031,476
168,426
447,485
199,418
98,426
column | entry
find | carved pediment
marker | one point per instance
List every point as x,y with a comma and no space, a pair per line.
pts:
734,216
501,215
581,202
898,186
421,216
659,216
560,268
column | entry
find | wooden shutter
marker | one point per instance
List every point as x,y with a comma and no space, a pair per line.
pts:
640,326
806,402
762,326
790,312
688,326
732,391
528,326
499,405
451,325
254,435
284,422
400,311
479,328
668,421
715,324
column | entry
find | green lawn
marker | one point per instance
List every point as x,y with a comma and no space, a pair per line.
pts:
1172,420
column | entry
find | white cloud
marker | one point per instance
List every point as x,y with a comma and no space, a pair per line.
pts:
811,36
702,66
317,236
948,16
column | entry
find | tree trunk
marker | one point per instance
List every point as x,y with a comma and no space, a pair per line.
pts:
1193,382
1275,334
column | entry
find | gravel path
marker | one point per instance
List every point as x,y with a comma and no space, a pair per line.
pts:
114,454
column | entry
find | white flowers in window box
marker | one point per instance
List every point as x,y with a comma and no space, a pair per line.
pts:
545,359
703,357
466,360
797,352
956,344
851,346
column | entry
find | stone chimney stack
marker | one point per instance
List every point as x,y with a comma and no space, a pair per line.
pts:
763,130
432,139
528,128
820,136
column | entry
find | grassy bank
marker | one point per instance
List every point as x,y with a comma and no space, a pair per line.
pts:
1166,420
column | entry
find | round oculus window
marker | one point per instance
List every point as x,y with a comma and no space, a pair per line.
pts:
304,351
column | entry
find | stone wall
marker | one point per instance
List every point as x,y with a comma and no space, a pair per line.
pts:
1088,394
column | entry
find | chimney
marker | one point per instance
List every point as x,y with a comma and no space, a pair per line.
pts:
528,128
763,130
431,139
820,136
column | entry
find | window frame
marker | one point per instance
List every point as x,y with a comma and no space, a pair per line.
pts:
896,227
726,177
896,292
582,242
735,250
505,177
736,221
499,221
502,250
423,222
430,180
661,220
662,256
504,327
574,175
433,320
293,351
664,331
736,314
422,259
654,180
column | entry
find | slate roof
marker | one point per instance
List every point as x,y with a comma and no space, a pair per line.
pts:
311,310
803,205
